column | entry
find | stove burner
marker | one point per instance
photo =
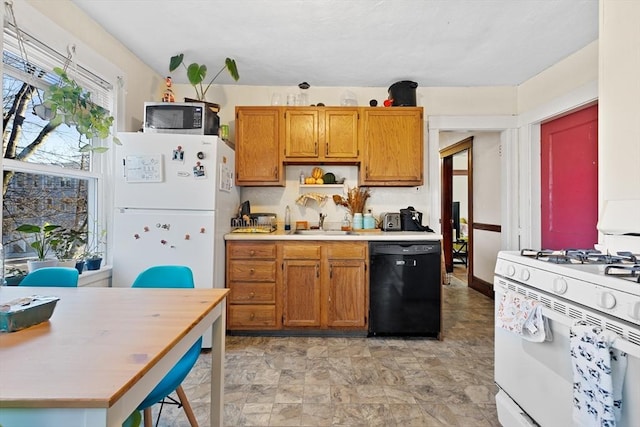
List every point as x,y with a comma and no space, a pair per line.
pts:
631,271
580,256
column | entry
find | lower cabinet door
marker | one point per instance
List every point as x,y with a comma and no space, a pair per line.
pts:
301,299
346,299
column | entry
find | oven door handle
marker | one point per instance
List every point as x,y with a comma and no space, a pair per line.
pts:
620,343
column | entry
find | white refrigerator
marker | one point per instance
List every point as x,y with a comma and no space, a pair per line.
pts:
174,199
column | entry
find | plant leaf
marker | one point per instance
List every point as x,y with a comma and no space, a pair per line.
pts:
28,228
196,73
233,69
175,62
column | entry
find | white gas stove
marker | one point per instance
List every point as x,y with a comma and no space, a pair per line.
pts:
535,379
602,282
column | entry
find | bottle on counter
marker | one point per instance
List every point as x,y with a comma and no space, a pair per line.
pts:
301,177
357,221
368,222
287,218
346,224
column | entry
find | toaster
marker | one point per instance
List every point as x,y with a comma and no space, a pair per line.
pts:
391,221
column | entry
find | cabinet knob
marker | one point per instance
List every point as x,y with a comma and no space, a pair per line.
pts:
252,252
252,271
252,294
252,316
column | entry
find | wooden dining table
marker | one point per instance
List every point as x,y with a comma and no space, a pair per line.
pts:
102,351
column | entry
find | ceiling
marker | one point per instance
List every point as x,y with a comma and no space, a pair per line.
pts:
354,43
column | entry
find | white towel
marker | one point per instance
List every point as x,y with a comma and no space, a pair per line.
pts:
598,376
523,316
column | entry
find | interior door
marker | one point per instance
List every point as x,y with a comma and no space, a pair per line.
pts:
569,180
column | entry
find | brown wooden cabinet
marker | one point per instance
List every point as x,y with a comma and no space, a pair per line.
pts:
258,161
301,299
324,285
346,285
252,279
321,134
393,148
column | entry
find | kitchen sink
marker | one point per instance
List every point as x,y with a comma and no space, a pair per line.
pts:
326,232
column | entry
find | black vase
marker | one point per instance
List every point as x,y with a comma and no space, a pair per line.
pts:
93,264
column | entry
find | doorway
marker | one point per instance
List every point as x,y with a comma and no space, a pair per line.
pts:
457,209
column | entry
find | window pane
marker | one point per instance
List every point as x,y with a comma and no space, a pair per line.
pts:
27,137
38,199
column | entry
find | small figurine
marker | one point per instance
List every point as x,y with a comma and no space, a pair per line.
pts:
168,96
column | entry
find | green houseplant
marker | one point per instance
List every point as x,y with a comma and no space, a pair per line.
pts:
68,244
43,238
196,73
93,252
72,105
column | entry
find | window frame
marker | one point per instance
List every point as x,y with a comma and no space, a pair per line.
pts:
40,27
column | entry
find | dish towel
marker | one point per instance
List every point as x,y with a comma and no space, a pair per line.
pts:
598,376
523,316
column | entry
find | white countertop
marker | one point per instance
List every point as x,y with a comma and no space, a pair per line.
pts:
369,235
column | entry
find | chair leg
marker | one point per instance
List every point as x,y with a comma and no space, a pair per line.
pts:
148,417
186,406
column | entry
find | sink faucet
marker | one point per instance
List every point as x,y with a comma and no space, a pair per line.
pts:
321,222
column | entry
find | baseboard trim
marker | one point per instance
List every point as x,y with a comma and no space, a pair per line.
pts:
482,286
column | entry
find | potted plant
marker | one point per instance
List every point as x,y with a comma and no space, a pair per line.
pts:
67,244
93,253
43,238
14,276
66,102
196,73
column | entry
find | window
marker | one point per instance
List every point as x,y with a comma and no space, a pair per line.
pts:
46,178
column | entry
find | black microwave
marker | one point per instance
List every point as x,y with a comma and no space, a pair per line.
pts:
193,118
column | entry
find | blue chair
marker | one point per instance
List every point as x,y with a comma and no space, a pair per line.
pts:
52,276
170,276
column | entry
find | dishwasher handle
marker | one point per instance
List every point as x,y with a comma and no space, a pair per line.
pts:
422,248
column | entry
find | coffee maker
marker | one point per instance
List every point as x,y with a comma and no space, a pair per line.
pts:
411,220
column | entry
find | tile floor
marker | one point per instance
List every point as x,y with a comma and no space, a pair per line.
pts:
311,381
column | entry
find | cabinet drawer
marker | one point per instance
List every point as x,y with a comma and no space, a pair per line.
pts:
251,316
250,250
253,271
253,293
298,251
347,250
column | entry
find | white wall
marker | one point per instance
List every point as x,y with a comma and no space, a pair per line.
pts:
487,176
573,72
619,107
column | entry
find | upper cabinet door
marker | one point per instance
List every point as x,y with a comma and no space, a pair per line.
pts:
301,133
393,146
321,134
258,161
341,134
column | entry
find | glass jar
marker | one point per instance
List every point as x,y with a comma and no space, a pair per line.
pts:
368,222
357,221
346,224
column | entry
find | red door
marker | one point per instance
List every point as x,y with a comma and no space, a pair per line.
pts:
569,180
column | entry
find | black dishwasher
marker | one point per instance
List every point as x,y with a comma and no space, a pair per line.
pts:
404,289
